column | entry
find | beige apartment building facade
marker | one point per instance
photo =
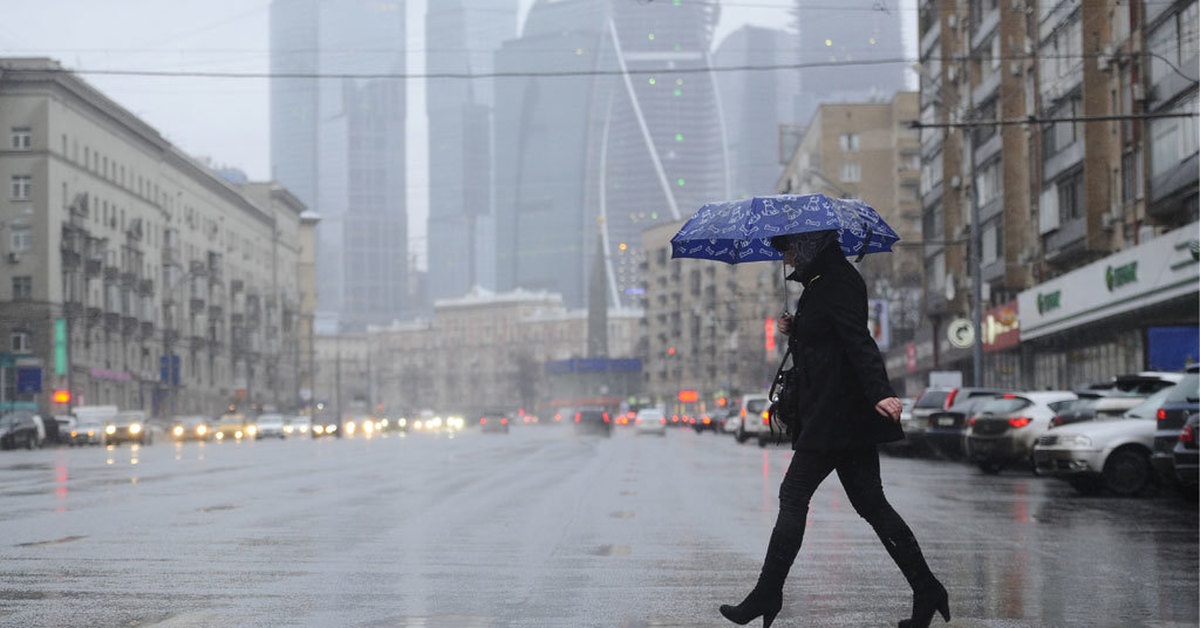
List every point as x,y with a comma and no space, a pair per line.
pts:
134,274
869,151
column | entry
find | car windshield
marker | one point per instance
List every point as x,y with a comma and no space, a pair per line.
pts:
1004,405
650,415
932,399
1149,408
756,405
1187,391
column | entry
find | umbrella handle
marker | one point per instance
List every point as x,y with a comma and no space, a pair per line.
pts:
862,251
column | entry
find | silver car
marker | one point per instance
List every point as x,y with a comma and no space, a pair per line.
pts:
1005,429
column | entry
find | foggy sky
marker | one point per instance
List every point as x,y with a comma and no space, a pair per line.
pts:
227,119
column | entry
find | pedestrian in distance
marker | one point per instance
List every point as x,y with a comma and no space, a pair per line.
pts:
846,408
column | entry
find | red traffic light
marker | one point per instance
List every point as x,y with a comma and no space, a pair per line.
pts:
687,396
62,396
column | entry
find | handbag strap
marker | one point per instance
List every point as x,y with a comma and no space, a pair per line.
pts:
779,371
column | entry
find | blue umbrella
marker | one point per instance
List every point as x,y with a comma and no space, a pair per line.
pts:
740,231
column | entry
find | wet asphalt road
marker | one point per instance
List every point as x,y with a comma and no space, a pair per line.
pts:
544,528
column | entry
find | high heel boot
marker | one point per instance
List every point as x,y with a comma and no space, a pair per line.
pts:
929,595
766,599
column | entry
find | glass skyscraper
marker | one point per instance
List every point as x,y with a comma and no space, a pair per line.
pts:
338,142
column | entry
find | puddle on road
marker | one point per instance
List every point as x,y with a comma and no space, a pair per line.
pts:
623,514
216,508
65,539
628,493
613,550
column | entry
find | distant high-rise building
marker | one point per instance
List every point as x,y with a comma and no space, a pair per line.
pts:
606,154
843,32
340,142
756,104
464,36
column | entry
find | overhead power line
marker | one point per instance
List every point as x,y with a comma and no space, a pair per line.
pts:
1033,119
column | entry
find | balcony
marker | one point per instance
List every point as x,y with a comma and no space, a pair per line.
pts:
146,287
987,26
129,280
147,330
930,39
197,306
111,274
1063,160
988,86
93,267
1066,241
112,321
94,316
71,260
129,325
73,309
989,148
199,343
215,311
1165,189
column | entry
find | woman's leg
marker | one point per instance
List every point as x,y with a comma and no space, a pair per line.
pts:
803,476
859,473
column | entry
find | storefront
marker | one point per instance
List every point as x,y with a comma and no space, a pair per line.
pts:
1101,320
1001,347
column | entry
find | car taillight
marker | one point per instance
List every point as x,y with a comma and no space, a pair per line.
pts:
663,420
1162,414
630,415
483,421
950,399
743,413
1187,435
1056,421
766,417
503,421
638,420
576,417
1020,421
971,421
606,417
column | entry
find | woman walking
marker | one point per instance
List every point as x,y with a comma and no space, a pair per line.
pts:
846,408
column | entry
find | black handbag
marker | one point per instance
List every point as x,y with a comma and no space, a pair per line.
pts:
785,399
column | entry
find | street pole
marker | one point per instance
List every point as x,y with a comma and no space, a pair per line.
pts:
976,247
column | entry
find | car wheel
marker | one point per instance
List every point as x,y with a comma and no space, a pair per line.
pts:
1127,472
740,435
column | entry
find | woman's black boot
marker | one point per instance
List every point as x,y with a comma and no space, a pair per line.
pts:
929,596
767,597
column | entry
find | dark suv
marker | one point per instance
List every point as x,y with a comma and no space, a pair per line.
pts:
593,420
18,429
1181,402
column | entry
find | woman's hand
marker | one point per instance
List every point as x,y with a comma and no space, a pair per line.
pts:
783,324
890,407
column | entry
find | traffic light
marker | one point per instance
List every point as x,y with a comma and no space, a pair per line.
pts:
62,396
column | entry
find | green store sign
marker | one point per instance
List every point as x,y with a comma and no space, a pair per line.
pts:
1120,276
1049,302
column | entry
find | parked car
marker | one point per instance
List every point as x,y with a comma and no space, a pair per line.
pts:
95,416
753,412
931,401
733,424
1090,408
186,428
651,421
1187,456
1104,454
946,432
1005,429
19,429
709,421
128,427
1183,401
593,420
496,422
269,426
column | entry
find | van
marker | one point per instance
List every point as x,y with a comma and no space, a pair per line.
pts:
754,417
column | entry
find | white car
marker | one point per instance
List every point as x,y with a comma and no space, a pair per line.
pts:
753,413
733,423
1109,454
270,426
297,425
651,421
1005,429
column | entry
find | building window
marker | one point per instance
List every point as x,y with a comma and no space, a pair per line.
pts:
19,342
22,185
1174,43
851,172
1070,197
22,288
1131,176
22,138
22,239
848,142
990,183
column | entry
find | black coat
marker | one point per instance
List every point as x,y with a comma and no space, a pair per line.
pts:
841,373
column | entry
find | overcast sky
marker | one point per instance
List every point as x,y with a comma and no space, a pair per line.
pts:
227,119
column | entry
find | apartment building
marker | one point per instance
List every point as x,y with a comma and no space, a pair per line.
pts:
135,275
869,151
1047,118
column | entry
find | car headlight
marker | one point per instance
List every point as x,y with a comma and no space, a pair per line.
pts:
403,422
304,428
332,427
384,423
252,430
111,429
317,429
237,434
201,429
287,429
178,431
1077,440
220,435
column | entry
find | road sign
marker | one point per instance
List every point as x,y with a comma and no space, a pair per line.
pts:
961,333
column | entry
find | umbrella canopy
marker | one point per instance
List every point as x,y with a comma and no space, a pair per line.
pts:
740,231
